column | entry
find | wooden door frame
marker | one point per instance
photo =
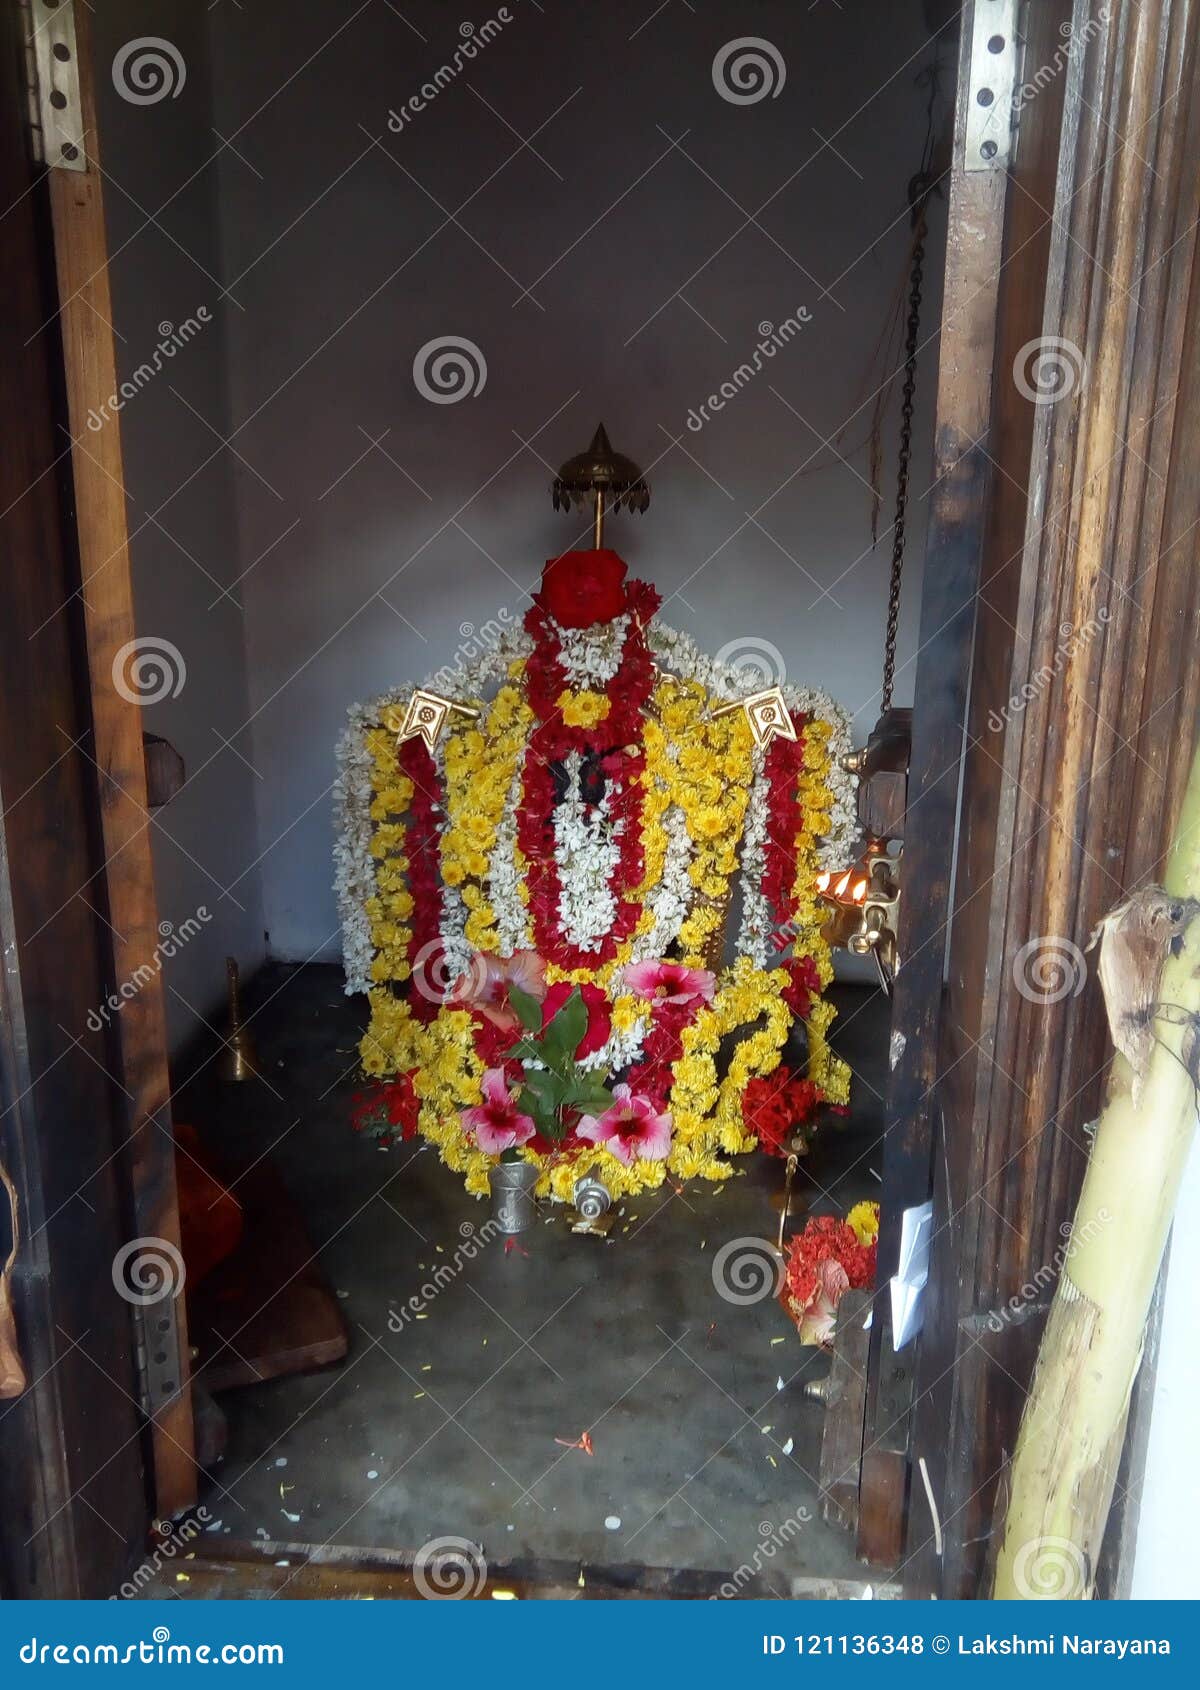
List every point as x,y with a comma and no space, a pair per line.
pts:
1073,517
997,578
73,1498
86,1128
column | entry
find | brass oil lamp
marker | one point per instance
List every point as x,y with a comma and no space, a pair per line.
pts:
863,904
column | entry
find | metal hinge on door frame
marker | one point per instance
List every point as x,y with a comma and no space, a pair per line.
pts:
156,1354
993,102
52,72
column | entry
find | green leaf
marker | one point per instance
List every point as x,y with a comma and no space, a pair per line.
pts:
588,1095
566,1029
545,1086
544,1111
525,1050
529,1010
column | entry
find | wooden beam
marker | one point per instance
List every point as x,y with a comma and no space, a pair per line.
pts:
953,555
1070,792
81,252
72,1489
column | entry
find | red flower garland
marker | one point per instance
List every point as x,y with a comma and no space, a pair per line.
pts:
783,766
617,742
775,1104
825,1238
421,847
389,1104
662,1047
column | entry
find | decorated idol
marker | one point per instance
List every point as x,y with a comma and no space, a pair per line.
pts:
577,881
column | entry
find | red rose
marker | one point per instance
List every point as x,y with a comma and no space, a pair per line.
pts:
580,588
599,1023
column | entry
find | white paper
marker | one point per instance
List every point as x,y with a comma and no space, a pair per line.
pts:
908,1285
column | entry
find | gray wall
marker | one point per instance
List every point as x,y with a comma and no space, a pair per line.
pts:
161,203
603,273
348,256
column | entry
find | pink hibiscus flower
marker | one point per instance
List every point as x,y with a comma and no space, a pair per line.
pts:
497,1123
485,984
630,1129
669,982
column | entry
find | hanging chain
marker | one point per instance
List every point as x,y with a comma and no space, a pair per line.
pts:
919,191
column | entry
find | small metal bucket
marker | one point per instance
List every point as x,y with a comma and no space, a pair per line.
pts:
512,1195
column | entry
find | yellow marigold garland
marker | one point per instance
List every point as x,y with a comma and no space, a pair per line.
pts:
694,760
480,765
390,907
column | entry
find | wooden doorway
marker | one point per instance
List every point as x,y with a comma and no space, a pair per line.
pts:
1042,516
1070,503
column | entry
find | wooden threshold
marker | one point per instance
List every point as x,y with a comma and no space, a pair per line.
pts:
302,1572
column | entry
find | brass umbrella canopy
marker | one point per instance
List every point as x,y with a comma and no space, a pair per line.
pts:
599,477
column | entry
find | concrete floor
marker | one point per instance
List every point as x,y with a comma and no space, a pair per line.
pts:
458,1424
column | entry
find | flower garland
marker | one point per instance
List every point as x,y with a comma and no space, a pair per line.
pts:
596,813
827,1259
478,842
390,906
583,844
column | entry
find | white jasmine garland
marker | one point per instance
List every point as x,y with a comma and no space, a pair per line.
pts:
587,851
592,656
622,1049
353,865
671,900
755,932
504,895
353,872
466,684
